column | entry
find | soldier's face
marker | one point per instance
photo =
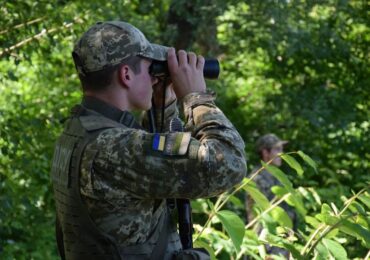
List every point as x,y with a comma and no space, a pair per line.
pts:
142,91
273,154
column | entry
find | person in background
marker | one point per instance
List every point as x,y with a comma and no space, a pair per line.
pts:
268,147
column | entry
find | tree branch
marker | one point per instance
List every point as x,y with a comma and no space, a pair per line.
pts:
44,32
23,24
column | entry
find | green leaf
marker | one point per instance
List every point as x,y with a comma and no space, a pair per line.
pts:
210,205
365,199
295,253
283,179
356,207
251,235
325,209
327,219
315,196
202,244
327,216
280,175
281,217
332,233
282,243
308,160
312,221
356,230
293,163
257,196
236,201
279,191
198,206
335,249
322,251
234,226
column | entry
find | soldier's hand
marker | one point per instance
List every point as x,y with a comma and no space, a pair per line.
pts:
186,72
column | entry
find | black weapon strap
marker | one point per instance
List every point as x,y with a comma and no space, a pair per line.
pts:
160,248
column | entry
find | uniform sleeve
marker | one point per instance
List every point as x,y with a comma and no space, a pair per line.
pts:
206,160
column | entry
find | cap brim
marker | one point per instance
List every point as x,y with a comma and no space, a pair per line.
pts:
282,142
155,52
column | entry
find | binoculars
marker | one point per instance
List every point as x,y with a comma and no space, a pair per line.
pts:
211,68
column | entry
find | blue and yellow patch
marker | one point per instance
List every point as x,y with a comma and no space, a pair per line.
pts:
172,143
158,142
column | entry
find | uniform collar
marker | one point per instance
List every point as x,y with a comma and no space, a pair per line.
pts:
109,111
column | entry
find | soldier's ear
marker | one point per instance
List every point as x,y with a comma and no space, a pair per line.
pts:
125,76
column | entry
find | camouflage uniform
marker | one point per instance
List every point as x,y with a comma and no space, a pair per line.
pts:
126,173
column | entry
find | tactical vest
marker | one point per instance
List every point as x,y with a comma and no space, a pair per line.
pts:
81,237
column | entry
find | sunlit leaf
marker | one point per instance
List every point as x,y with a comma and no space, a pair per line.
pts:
365,198
283,179
202,244
322,252
325,209
233,225
308,160
198,206
333,233
327,219
281,217
312,221
279,191
293,163
335,249
356,207
279,174
257,196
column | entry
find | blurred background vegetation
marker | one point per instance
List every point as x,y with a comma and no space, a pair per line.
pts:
297,68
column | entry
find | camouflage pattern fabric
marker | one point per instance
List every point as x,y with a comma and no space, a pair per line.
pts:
123,176
109,43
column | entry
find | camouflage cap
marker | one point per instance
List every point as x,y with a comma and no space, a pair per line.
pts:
107,44
269,141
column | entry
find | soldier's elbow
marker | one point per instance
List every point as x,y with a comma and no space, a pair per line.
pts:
227,175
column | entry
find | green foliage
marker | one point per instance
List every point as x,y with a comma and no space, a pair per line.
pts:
233,225
323,235
296,68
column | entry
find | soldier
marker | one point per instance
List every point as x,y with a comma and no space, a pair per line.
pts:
111,177
268,147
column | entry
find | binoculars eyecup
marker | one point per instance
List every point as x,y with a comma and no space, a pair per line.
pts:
211,68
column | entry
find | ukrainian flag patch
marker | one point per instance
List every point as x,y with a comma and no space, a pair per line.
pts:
158,142
172,143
